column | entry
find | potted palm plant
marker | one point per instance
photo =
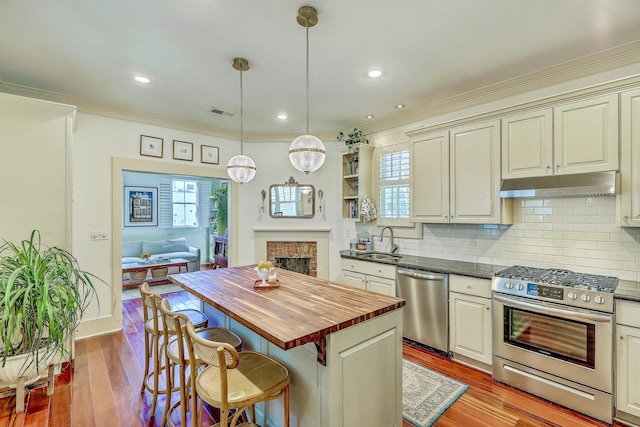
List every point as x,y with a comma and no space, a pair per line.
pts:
43,295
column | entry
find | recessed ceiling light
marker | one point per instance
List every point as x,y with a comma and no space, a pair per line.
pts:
374,74
369,116
142,79
282,117
400,106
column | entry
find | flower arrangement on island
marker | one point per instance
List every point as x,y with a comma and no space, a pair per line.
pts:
266,272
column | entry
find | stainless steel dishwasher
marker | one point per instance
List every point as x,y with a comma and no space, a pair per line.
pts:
426,313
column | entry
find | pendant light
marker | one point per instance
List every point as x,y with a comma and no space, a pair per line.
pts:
307,152
241,168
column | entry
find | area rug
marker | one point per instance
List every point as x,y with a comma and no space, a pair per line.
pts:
132,293
426,394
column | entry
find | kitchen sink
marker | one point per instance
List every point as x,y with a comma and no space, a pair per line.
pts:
379,256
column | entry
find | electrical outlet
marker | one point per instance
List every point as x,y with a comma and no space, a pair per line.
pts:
99,235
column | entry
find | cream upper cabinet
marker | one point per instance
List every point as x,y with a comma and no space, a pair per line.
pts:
586,135
474,152
527,144
577,137
430,178
629,196
455,176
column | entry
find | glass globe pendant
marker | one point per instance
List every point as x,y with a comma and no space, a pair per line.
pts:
241,168
307,152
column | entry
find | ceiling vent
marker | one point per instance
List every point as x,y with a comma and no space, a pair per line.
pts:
222,112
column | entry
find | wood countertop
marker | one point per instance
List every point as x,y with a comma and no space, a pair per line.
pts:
302,309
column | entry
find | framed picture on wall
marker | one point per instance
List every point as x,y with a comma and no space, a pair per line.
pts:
182,150
140,207
151,146
209,154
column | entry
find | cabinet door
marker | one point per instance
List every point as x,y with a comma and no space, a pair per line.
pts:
586,135
527,144
628,370
430,178
470,326
630,159
475,173
381,285
351,278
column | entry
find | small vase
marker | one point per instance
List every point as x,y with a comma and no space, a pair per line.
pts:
263,274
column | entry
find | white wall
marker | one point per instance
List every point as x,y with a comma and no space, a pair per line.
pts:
576,234
273,167
97,141
100,140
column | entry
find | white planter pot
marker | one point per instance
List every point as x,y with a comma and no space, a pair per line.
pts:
13,371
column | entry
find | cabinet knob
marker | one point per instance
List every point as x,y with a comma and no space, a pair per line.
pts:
622,337
626,217
557,168
488,308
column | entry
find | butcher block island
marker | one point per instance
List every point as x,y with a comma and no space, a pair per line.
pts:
342,345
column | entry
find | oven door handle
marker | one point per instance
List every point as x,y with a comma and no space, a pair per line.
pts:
567,313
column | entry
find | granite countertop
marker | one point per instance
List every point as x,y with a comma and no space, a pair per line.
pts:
435,265
628,290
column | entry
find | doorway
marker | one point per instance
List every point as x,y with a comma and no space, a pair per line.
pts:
118,167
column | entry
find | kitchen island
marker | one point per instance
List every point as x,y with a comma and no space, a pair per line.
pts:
342,346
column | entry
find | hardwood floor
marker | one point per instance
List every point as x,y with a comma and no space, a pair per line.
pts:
103,389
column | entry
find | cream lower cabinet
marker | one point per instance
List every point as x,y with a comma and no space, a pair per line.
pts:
628,360
470,320
455,176
371,276
629,196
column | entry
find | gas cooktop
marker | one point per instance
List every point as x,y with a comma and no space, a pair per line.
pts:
567,278
589,291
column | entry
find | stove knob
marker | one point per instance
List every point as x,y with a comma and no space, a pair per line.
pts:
520,286
585,297
509,285
599,299
572,295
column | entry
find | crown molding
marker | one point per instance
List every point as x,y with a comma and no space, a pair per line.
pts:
589,65
122,113
607,60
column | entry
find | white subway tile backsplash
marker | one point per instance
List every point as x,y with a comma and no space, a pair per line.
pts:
577,234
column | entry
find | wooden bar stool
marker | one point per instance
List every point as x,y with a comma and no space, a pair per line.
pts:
176,355
153,331
234,380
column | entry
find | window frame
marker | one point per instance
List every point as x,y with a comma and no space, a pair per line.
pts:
376,184
184,203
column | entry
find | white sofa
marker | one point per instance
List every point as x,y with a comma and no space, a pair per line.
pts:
166,249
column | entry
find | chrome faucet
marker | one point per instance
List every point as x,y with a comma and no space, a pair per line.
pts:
394,248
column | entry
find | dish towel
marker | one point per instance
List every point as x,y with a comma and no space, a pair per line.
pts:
367,210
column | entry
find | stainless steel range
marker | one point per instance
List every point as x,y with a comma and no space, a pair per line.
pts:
553,336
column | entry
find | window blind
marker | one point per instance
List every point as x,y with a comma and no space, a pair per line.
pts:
394,185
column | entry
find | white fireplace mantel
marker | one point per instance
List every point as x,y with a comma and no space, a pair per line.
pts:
320,235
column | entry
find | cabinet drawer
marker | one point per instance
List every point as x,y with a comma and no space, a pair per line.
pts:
470,285
370,268
628,313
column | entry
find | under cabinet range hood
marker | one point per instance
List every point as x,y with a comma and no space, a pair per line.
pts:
593,184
